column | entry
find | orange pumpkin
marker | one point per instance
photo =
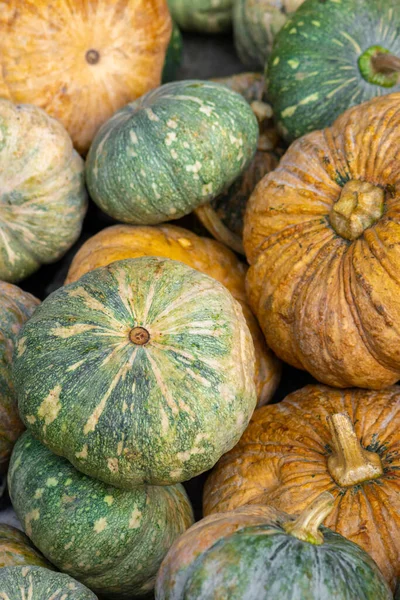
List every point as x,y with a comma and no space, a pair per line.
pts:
322,235
321,439
205,255
81,61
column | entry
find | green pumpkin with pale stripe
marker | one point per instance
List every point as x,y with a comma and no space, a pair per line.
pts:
203,16
37,583
111,540
172,150
139,372
330,56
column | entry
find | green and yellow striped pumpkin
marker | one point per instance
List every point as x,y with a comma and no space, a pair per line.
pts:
203,16
17,550
37,583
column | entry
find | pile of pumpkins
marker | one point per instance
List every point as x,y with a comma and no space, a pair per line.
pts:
158,358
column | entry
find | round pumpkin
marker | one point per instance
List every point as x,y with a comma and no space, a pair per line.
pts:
322,234
111,540
173,57
205,255
17,550
139,372
37,583
330,56
321,439
172,150
202,16
259,553
88,60
42,191
16,307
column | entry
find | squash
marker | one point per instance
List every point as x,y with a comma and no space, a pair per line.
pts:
17,550
142,349
322,236
16,307
255,25
42,192
209,257
330,56
89,59
256,552
37,583
202,16
321,439
173,57
174,149
111,540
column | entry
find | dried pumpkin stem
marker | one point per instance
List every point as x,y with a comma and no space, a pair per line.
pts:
306,526
386,63
360,205
350,463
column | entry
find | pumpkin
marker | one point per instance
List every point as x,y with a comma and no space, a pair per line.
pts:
17,550
37,583
88,60
42,191
322,236
258,552
255,25
109,539
205,255
143,349
321,439
330,56
173,57
16,307
202,16
176,148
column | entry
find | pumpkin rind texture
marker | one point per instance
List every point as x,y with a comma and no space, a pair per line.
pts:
207,256
327,302
37,583
17,550
16,307
143,349
282,460
88,61
314,71
202,16
111,540
172,150
42,191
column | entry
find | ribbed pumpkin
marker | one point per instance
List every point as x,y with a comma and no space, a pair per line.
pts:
203,16
36,583
209,257
17,550
173,57
42,192
111,540
320,439
322,234
141,371
256,553
329,56
16,307
81,61
170,151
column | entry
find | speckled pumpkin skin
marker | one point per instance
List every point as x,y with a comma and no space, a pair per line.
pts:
16,307
203,16
90,58
42,192
17,550
247,554
281,460
170,151
327,304
313,71
111,540
36,583
173,57
211,258
92,395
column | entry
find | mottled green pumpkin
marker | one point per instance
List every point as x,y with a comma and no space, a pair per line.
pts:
16,307
172,150
328,57
17,550
141,371
42,192
173,57
37,583
111,540
203,16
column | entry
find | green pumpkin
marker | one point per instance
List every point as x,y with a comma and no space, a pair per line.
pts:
172,150
17,550
202,16
42,191
259,553
37,583
139,372
173,57
328,57
111,540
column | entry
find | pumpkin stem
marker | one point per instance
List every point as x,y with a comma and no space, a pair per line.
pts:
359,206
139,336
350,463
386,63
306,526
379,67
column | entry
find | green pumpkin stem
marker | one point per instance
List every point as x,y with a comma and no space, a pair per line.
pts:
306,526
350,464
386,63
